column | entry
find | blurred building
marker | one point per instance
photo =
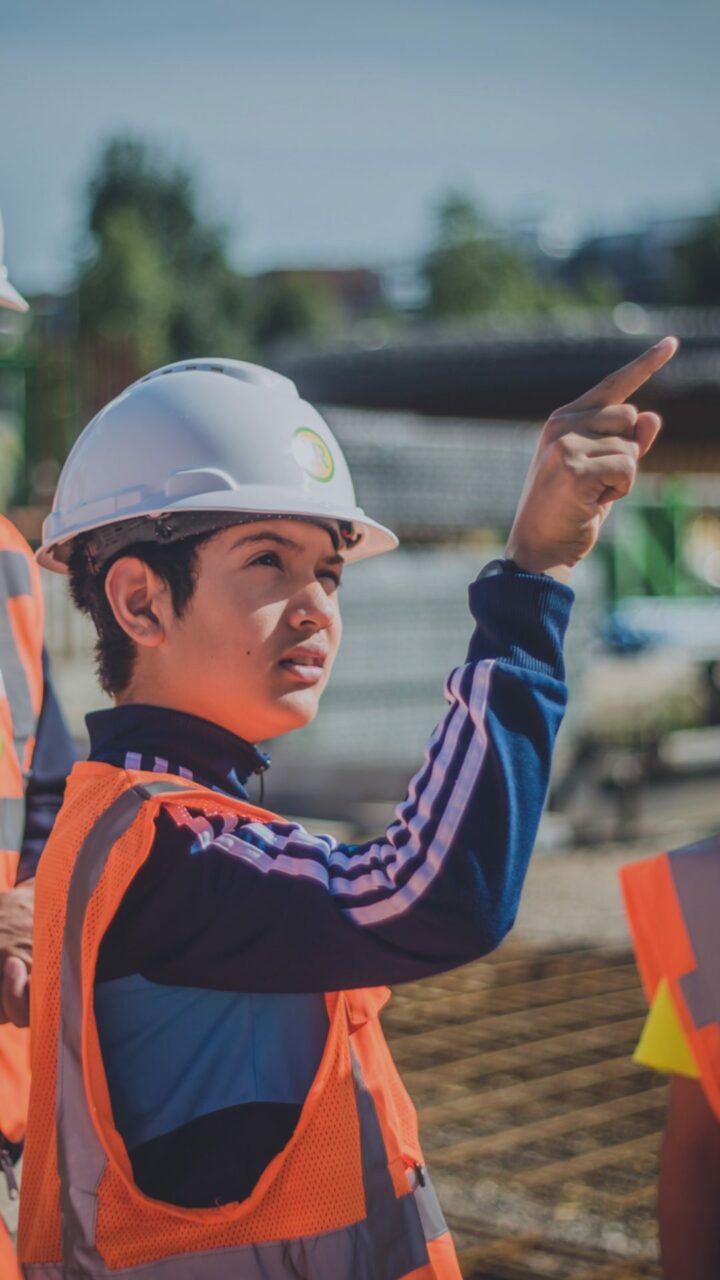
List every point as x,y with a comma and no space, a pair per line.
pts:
640,263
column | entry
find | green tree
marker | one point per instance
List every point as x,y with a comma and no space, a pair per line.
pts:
127,291
290,306
469,270
157,274
696,264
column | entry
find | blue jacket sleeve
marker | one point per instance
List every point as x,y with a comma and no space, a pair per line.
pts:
52,760
268,907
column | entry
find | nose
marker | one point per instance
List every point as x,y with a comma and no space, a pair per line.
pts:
312,608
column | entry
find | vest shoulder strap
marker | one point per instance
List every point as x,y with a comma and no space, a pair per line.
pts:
154,787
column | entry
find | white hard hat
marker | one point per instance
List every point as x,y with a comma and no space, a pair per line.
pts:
9,296
204,436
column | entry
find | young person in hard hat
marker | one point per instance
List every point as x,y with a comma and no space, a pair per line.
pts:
36,754
672,904
212,1093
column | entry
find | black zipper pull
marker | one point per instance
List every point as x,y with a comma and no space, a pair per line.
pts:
6,1165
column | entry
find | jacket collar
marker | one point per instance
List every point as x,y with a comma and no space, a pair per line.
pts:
157,738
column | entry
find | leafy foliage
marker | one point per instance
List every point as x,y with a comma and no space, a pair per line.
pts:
128,291
470,270
287,306
157,275
697,264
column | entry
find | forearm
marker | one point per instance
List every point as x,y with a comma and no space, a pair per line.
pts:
689,1186
689,1216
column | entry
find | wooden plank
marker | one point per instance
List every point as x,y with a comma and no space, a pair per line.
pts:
547,1086
547,1048
561,1170
523,1134
584,1010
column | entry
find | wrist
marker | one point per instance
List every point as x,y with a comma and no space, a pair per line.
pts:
528,561
560,572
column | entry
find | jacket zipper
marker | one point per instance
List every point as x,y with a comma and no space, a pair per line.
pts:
418,1169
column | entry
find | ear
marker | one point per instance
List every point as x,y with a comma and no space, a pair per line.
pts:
137,597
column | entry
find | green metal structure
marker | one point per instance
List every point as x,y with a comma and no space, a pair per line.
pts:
645,551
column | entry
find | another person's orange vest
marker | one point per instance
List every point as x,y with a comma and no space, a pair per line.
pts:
21,693
347,1199
673,906
9,1269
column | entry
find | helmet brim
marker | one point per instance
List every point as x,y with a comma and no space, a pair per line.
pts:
10,298
375,539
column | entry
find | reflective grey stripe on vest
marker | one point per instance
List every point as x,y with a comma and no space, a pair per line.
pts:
388,1244
12,822
81,1159
394,1225
14,582
696,875
347,1254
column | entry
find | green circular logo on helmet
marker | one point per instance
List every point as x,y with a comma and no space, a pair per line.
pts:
313,455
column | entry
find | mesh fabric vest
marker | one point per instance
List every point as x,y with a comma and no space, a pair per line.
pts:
347,1198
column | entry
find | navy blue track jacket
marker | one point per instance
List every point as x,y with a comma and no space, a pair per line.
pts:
209,984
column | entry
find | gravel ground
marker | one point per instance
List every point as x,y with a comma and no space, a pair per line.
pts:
573,898
572,895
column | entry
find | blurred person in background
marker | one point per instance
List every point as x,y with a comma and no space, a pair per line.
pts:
212,1093
672,903
36,755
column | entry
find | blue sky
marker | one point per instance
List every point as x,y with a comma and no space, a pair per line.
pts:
323,131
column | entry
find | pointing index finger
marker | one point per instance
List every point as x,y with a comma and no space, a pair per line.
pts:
617,386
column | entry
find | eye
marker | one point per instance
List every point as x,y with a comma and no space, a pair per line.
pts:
333,576
270,558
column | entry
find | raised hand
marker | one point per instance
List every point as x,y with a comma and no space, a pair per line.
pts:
587,457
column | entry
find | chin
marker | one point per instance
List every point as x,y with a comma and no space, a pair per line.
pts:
293,712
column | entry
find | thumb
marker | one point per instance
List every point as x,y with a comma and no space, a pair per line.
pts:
647,429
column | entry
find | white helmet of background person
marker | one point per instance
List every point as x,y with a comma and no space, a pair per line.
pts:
9,296
197,445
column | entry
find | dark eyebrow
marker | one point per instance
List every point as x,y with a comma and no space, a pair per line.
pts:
280,541
265,537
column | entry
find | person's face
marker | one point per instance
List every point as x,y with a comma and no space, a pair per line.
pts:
255,646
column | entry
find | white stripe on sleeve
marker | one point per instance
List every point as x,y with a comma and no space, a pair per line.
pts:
428,834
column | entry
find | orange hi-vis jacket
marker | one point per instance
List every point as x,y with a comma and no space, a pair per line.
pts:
347,1199
21,692
672,903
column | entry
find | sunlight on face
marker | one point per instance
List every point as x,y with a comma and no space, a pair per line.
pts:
256,646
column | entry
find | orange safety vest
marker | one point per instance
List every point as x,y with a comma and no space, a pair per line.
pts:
672,904
8,1262
21,693
347,1199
